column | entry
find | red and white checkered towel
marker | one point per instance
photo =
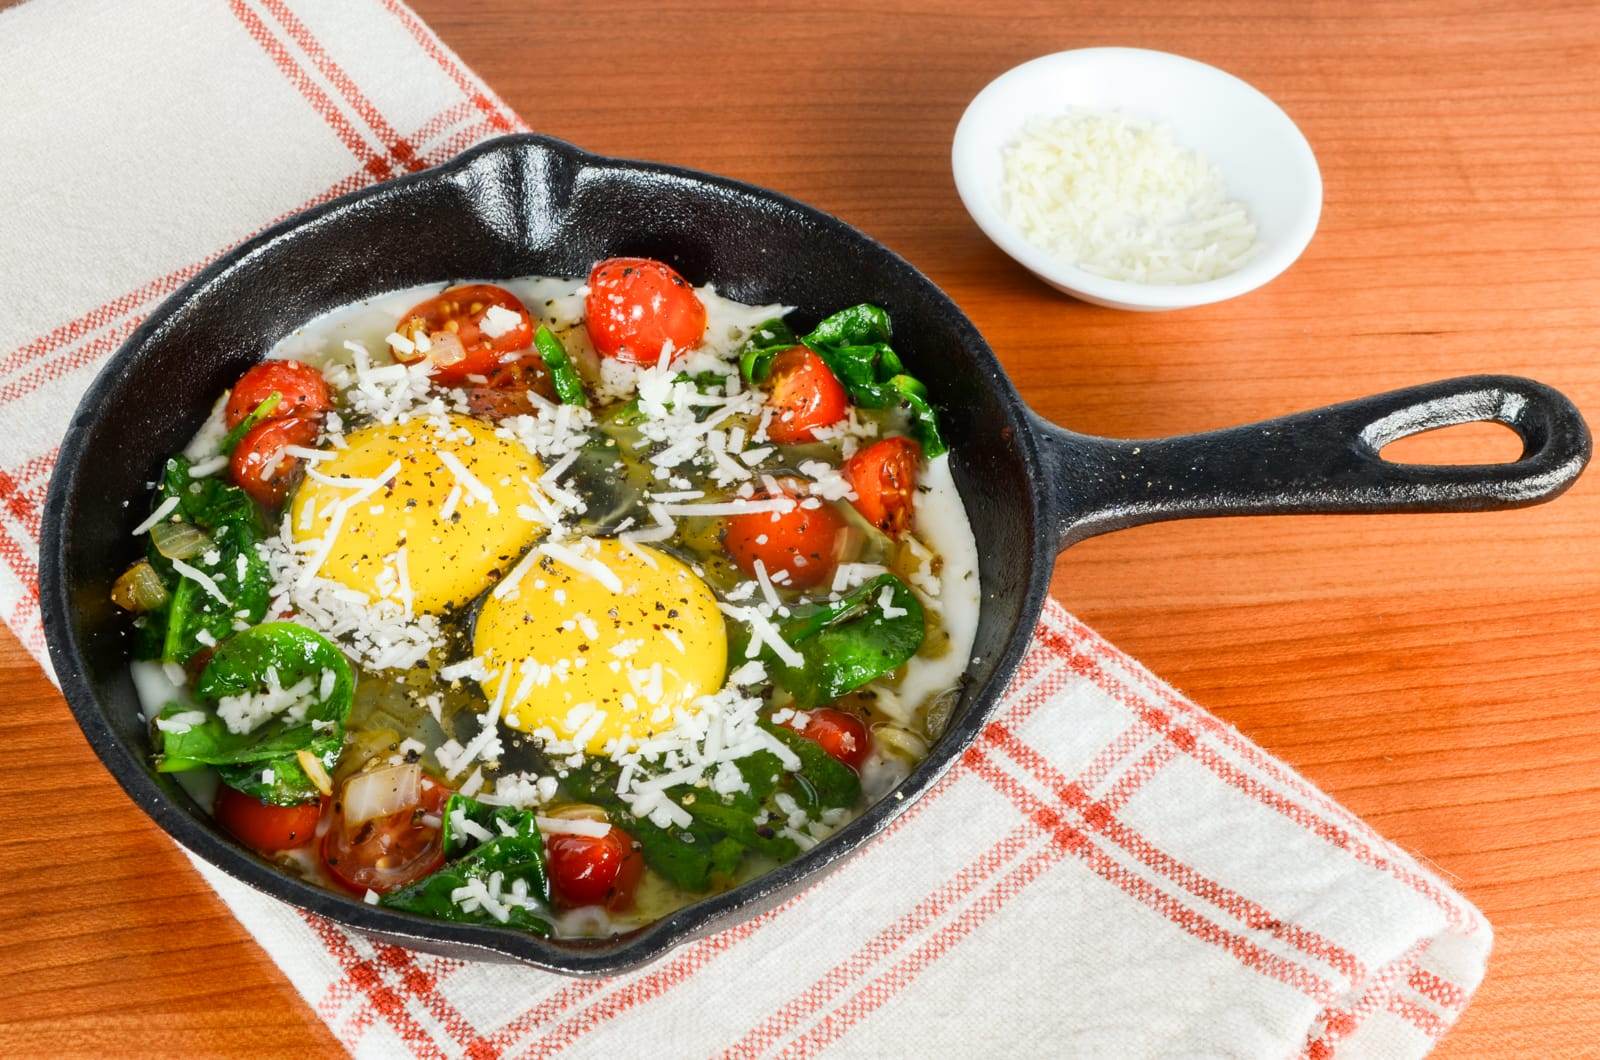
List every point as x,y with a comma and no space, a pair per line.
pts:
1108,871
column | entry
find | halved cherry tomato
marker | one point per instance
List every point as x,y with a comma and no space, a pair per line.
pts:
459,340
489,403
390,852
802,541
258,465
595,870
263,827
844,736
804,395
635,306
527,372
884,476
302,392
506,393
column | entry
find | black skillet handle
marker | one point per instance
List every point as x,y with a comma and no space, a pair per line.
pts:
1323,461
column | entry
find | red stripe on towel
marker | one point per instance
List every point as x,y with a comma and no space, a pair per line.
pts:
398,147
329,111
495,110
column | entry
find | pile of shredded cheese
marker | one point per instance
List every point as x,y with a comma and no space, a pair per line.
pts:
1119,197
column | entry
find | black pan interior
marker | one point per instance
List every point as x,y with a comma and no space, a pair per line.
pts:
518,206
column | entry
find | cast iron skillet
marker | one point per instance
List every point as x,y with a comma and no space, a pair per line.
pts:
528,204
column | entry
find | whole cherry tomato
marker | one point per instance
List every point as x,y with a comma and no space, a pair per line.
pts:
300,388
263,827
804,394
884,476
260,467
803,542
593,870
636,306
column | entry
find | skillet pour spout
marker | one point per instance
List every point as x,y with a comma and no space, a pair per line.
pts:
530,205
1326,461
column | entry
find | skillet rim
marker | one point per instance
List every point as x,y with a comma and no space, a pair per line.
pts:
643,945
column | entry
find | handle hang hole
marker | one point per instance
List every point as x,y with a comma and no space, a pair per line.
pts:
1478,443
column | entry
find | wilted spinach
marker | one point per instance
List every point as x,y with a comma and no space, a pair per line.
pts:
854,343
514,850
233,523
850,642
708,851
239,667
824,782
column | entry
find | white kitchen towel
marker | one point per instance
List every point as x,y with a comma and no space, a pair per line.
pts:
1109,870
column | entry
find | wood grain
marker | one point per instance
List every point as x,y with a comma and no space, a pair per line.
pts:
1437,674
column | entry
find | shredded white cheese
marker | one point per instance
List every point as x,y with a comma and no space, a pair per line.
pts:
1121,198
163,510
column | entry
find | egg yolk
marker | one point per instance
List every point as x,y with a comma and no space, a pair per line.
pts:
440,531
604,648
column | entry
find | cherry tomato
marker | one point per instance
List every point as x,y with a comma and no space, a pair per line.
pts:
804,395
258,465
301,392
390,852
884,476
595,870
263,827
802,541
459,340
844,736
489,403
636,306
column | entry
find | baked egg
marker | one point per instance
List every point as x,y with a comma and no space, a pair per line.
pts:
600,641
444,521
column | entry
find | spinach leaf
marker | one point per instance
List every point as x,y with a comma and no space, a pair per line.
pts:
726,854
691,858
860,368
826,782
289,785
860,325
850,642
294,651
764,344
496,820
724,827
740,816
854,343
509,865
924,420
763,772
210,502
569,387
239,667
231,440
241,575
149,635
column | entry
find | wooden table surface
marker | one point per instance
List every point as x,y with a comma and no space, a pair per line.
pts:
1437,674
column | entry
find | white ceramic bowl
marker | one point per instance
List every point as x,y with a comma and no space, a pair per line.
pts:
1265,160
